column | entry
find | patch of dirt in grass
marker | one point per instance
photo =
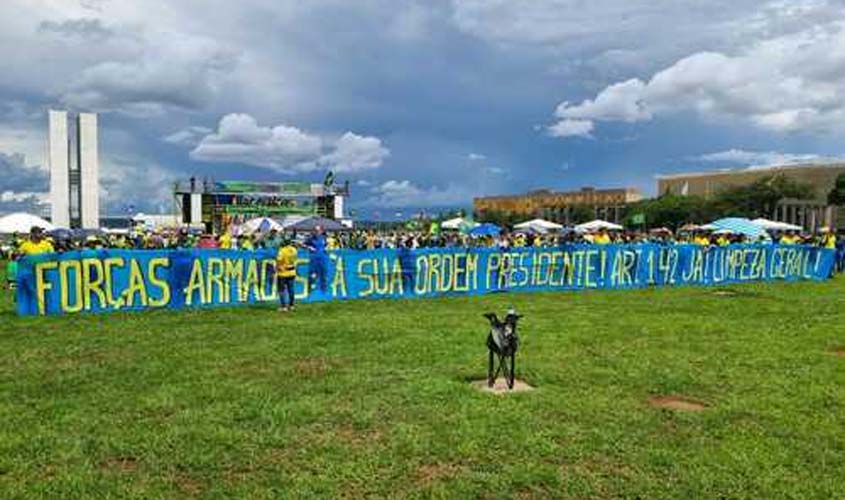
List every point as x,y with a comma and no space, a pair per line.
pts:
357,438
188,485
725,293
314,366
680,403
501,386
251,368
120,464
839,352
431,473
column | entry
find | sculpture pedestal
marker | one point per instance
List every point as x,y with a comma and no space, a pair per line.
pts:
501,386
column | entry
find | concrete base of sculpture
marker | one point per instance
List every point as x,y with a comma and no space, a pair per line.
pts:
501,386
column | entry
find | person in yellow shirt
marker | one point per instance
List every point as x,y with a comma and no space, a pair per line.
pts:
790,238
332,243
36,244
286,274
226,240
828,239
723,240
601,237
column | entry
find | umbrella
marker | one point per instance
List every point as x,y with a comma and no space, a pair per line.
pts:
458,223
595,225
260,225
486,229
738,225
20,222
311,223
539,225
689,227
61,233
772,225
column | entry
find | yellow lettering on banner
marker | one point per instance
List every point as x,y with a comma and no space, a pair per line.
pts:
578,271
65,267
42,285
215,271
196,284
472,272
368,277
234,275
553,267
157,282
382,276
434,275
589,268
523,268
339,281
108,265
252,283
758,264
268,272
543,267
92,283
447,262
696,267
421,275
136,285
396,284
602,264
493,263
460,272
630,262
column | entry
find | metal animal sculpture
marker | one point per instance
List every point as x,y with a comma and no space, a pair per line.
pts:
502,342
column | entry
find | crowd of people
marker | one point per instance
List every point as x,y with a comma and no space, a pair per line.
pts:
39,241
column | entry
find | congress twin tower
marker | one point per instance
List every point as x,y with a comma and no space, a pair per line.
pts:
74,170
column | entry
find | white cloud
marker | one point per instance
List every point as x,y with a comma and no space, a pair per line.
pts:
476,157
287,149
353,153
571,128
784,84
180,73
404,193
189,136
744,157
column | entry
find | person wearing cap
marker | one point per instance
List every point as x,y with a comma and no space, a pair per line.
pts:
286,274
36,244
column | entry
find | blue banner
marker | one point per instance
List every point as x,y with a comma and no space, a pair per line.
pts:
116,280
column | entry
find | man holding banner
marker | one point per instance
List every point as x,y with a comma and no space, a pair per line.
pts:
318,264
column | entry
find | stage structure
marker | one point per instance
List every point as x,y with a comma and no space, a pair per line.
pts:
73,159
217,205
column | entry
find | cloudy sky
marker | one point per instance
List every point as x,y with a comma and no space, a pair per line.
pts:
419,103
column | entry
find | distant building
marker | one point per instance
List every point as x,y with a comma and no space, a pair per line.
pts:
811,214
607,204
74,170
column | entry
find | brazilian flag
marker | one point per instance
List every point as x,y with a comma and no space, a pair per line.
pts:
435,228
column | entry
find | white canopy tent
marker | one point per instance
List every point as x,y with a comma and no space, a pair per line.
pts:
21,222
595,225
771,225
260,224
457,223
539,225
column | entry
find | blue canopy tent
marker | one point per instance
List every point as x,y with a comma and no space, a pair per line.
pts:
486,229
738,225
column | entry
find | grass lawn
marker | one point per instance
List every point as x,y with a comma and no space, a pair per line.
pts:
373,399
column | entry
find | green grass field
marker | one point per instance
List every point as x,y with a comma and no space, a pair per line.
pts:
373,399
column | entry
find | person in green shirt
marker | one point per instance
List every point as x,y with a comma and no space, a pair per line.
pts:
12,272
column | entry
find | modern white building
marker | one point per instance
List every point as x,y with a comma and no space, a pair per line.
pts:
74,170
58,156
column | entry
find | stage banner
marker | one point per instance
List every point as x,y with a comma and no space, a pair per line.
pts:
118,280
